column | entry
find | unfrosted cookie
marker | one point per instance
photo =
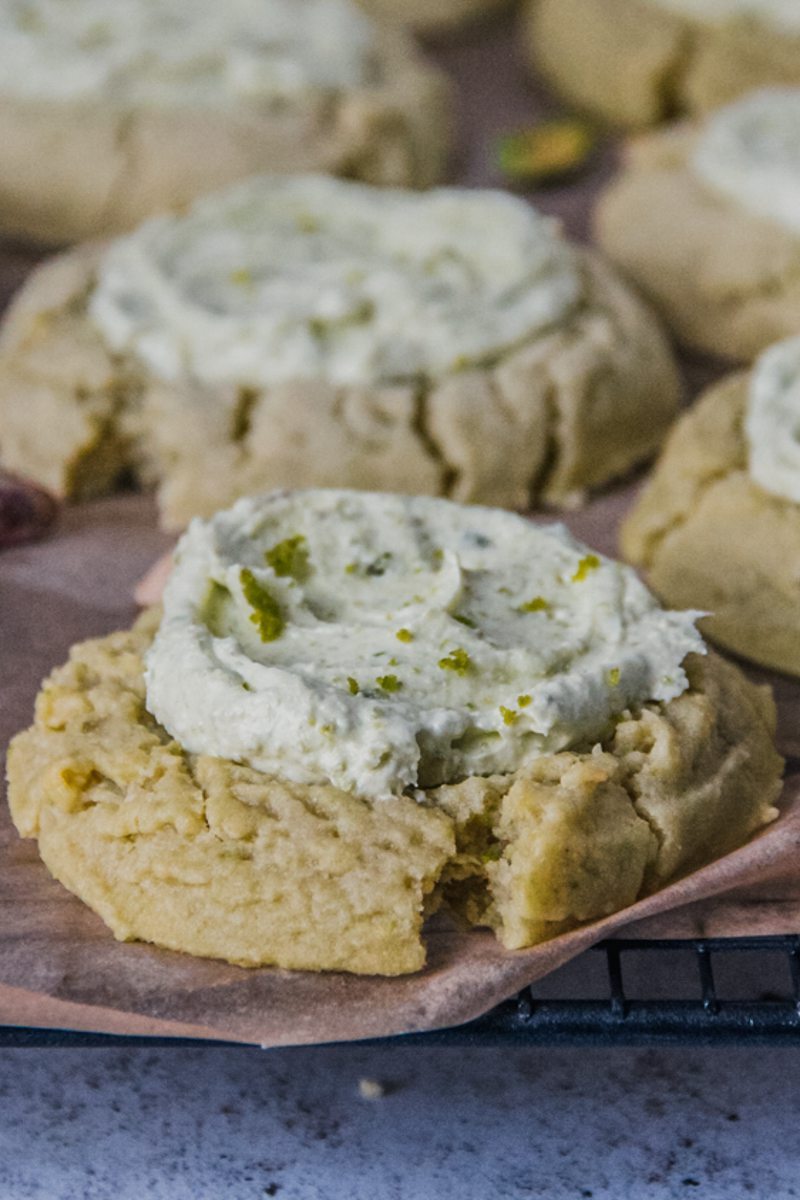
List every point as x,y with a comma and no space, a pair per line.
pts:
637,62
718,526
432,16
316,332
112,112
355,708
706,220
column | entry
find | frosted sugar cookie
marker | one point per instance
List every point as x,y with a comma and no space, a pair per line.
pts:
358,707
312,331
707,221
110,112
637,62
718,526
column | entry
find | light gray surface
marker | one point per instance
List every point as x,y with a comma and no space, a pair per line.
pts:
232,1124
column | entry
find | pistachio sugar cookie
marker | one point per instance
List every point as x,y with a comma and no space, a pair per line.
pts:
433,16
706,220
718,526
112,112
316,332
356,708
638,62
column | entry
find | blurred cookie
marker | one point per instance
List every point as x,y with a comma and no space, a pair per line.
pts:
638,62
706,220
316,332
112,112
718,526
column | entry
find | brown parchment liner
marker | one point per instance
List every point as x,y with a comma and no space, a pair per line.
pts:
59,965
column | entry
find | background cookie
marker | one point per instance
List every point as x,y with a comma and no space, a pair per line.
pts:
106,117
721,264
584,396
707,536
637,62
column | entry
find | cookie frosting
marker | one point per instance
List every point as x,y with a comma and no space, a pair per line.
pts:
383,642
772,424
171,51
749,152
312,277
782,15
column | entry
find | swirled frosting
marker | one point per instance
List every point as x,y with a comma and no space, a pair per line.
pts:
382,642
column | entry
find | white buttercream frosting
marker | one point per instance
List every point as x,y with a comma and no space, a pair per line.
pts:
181,51
772,424
782,15
381,642
311,277
749,152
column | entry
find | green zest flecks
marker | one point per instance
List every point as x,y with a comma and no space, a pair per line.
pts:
241,277
537,604
457,660
289,558
266,615
388,683
352,685
523,701
404,635
614,676
589,562
508,715
462,620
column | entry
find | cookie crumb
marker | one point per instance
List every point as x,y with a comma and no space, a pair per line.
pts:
371,1089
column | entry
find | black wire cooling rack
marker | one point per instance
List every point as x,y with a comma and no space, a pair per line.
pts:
714,1014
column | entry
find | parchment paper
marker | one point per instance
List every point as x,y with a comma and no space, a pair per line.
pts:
59,966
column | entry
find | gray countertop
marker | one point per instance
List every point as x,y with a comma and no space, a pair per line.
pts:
242,1124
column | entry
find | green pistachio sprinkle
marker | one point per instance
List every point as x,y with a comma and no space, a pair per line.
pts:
353,685
589,562
462,620
388,683
614,676
508,714
289,558
537,604
266,616
457,660
523,701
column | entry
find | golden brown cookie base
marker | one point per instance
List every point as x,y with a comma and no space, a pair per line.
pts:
725,281
572,409
708,537
634,64
203,855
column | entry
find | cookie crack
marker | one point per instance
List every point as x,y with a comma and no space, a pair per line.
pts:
449,474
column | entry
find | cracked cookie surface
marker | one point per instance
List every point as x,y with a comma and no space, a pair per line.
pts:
206,856
572,408
635,63
707,536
